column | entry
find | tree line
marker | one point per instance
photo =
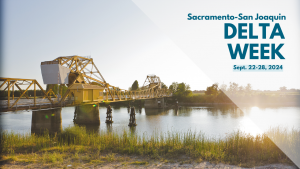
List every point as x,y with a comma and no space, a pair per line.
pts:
232,89
17,93
135,86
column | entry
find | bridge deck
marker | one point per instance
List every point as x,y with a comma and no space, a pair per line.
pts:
28,104
87,94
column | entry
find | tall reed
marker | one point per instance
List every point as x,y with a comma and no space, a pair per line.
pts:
236,148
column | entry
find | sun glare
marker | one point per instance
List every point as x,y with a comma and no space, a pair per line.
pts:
254,108
246,125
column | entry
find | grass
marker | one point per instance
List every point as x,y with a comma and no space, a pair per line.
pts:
139,163
74,145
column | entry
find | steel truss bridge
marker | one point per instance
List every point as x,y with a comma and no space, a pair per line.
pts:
85,85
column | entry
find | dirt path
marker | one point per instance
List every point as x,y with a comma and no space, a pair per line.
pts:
151,165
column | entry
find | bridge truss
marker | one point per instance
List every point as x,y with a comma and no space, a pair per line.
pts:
84,71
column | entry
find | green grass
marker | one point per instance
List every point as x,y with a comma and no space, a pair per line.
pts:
139,163
74,144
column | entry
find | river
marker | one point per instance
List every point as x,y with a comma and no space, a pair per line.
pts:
214,121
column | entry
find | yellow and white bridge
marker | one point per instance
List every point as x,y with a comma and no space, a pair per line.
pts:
85,85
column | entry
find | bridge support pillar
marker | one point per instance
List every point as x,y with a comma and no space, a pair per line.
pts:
109,115
87,114
155,103
132,120
46,120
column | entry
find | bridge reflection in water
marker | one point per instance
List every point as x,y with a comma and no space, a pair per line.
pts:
89,117
51,120
46,120
84,116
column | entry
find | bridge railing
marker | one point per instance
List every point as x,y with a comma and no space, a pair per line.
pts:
11,102
134,95
113,95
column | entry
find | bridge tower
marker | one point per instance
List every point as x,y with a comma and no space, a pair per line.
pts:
153,82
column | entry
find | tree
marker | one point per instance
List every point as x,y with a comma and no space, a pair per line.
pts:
248,88
283,89
163,86
241,89
212,90
223,87
183,90
173,87
55,88
135,85
233,88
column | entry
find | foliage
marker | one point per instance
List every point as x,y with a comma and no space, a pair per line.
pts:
56,87
163,86
180,90
212,90
17,93
196,98
233,88
173,87
183,89
283,89
30,93
223,87
248,88
236,89
135,85
242,94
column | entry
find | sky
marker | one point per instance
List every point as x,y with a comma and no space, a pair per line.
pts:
124,43
204,43
129,40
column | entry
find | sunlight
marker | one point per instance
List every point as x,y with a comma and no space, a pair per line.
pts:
246,125
254,108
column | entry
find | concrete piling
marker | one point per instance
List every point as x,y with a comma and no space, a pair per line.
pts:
109,115
43,120
87,114
157,103
132,120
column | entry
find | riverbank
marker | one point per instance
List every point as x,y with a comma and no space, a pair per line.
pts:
243,100
283,104
74,146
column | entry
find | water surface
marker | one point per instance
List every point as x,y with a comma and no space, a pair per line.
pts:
213,121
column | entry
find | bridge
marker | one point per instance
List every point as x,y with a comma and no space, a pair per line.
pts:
85,83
